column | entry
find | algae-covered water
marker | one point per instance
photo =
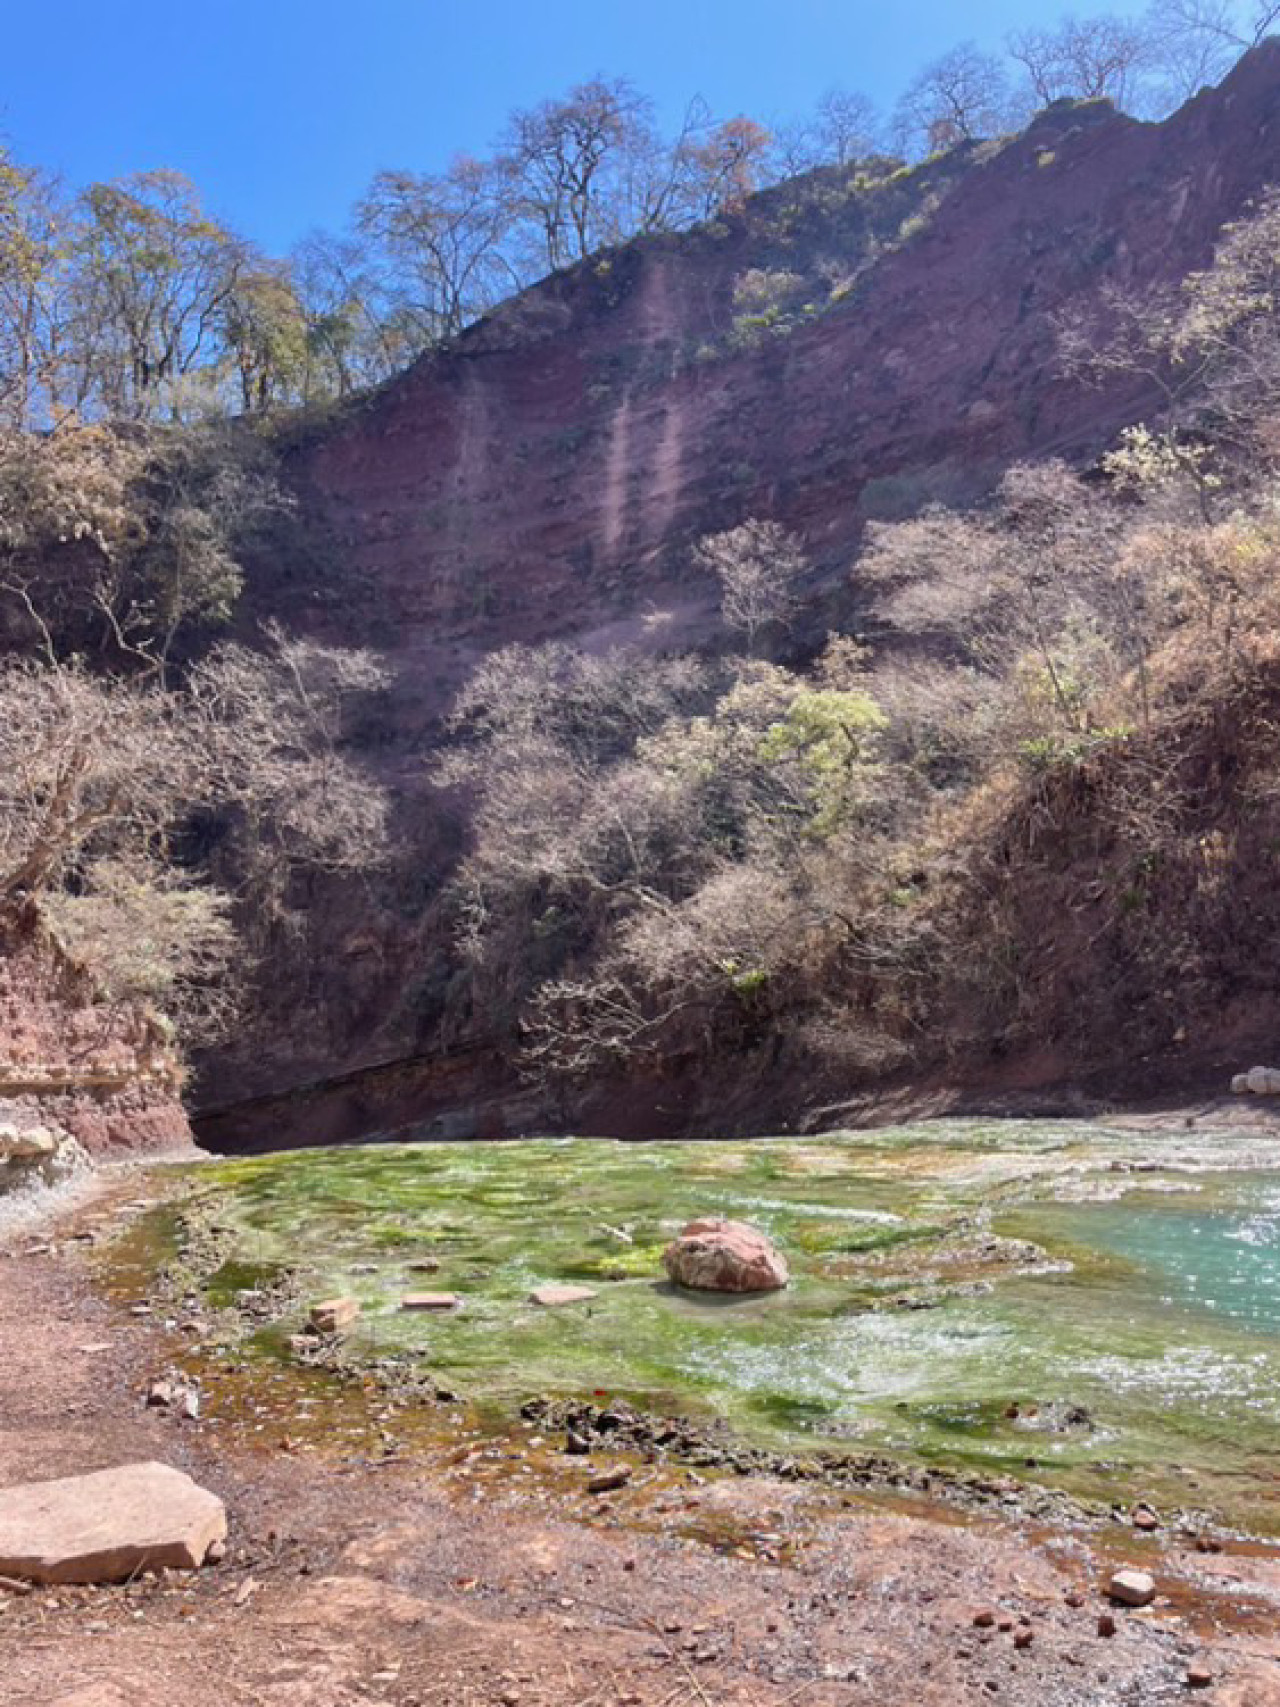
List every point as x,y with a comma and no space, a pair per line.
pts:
1096,1309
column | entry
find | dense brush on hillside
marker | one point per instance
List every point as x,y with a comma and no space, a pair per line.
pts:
730,682
1016,811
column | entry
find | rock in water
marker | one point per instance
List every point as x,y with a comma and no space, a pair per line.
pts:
334,1315
107,1526
549,1297
724,1256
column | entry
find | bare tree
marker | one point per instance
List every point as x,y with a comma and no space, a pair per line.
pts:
566,162
1208,352
102,780
729,165
442,241
352,339
844,128
1086,59
270,730
150,935
1200,40
84,765
757,565
127,543
962,97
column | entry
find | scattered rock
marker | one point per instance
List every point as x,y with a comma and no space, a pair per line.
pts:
609,1480
549,1297
1132,1588
28,1144
107,1526
984,1619
35,1154
334,1315
724,1256
430,1301
1260,1081
424,1265
1023,1636
1106,1624
1144,1517
576,1445
1199,1674
172,1394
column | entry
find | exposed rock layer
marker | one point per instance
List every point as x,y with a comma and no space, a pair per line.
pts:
544,477
74,1065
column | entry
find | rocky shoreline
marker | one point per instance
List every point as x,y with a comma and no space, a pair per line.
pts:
400,1581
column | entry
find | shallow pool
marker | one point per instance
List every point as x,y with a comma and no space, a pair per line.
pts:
1098,1309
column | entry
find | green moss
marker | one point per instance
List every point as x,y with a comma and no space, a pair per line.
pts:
958,1290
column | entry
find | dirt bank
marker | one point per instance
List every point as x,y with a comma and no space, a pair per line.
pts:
362,1571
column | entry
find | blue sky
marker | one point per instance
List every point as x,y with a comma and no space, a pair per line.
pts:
283,109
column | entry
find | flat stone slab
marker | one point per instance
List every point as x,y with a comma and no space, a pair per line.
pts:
334,1315
552,1296
430,1301
107,1526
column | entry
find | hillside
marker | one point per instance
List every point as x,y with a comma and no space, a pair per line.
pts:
545,477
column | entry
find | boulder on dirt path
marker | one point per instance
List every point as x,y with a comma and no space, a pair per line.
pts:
107,1526
725,1256
551,1297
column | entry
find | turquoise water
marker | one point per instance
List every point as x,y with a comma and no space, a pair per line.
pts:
1214,1249
1098,1309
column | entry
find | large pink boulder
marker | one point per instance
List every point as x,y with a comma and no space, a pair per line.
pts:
725,1256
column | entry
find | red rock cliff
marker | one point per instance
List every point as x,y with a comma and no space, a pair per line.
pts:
546,475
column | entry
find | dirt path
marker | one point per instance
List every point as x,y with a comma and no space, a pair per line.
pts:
407,1582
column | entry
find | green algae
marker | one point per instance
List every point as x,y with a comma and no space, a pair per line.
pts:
1096,1310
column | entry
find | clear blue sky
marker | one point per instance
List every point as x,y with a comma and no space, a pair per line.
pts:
283,109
